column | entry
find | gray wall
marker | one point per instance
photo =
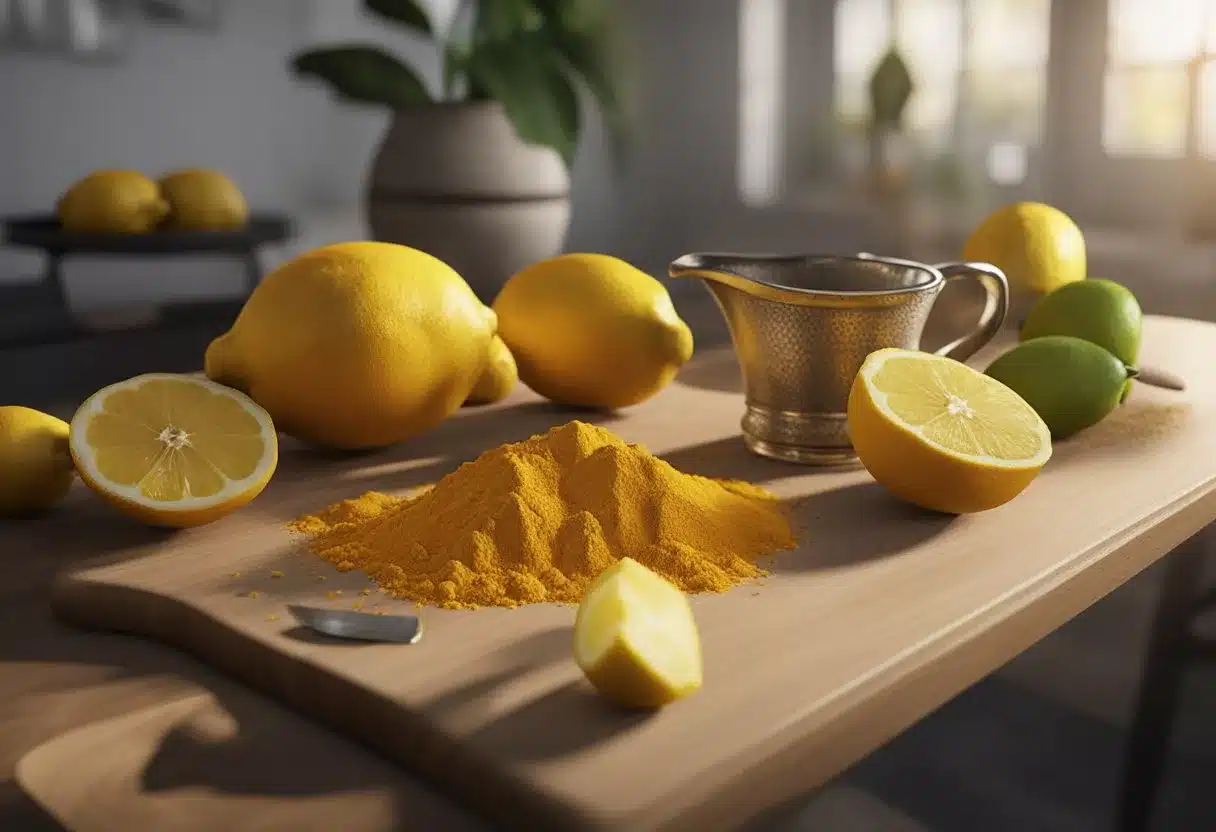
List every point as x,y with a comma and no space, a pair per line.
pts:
222,100
226,100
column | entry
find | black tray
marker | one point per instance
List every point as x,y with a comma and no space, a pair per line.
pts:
44,233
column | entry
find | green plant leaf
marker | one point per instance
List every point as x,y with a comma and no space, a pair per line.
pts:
529,82
363,73
407,12
588,58
573,15
504,19
579,31
891,87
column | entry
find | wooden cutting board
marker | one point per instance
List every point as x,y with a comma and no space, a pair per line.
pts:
231,760
883,613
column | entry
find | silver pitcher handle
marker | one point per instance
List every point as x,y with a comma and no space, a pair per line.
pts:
996,307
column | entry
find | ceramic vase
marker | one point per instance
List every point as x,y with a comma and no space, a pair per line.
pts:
456,181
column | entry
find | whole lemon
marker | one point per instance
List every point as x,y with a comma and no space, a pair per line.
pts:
36,468
357,345
203,200
499,377
112,202
590,330
1038,247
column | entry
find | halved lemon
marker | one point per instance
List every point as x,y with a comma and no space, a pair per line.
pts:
174,450
942,435
635,638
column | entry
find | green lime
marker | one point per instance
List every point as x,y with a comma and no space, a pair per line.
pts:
1100,311
1070,382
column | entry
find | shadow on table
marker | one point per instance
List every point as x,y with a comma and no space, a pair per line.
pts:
270,750
20,812
854,524
851,521
729,459
98,676
79,529
566,719
569,719
718,371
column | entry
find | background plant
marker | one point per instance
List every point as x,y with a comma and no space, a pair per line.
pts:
531,56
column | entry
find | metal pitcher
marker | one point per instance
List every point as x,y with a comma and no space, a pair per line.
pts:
802,326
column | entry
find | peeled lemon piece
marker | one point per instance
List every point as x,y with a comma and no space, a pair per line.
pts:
173,450
942,435
635,638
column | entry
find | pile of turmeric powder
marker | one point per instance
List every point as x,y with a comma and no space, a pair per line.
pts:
538,520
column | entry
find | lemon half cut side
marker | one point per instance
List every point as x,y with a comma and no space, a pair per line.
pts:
173,450
635,638
943,435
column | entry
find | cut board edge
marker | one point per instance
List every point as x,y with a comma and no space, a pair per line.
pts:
84,600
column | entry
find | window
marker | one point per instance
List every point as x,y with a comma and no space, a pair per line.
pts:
927,35
1161,58
979,67
761,94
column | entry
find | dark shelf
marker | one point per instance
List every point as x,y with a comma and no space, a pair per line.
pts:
45,234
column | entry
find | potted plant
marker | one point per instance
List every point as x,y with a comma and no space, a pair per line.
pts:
477,173
891,88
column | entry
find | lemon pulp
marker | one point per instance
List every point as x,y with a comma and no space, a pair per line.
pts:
635,638
963,412
943,435
174,450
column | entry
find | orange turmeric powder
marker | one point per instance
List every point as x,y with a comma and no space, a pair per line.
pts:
536,521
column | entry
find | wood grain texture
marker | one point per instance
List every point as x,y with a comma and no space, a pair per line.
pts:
882,614
171,766
57,680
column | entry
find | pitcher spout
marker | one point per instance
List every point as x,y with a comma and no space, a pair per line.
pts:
749,274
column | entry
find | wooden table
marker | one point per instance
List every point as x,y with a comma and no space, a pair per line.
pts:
976,615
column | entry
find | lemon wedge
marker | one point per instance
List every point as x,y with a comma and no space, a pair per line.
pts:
635,638
942,435
173,450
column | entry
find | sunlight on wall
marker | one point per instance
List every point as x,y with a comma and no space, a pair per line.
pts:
1161,57
761,99
980,73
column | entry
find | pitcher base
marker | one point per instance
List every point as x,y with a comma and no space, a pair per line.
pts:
800,453
792,436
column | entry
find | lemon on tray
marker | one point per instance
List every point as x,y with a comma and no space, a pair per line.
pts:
173,450
112,202
942,435
203,200
635,638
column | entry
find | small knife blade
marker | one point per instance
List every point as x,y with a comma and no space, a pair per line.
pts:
361,626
